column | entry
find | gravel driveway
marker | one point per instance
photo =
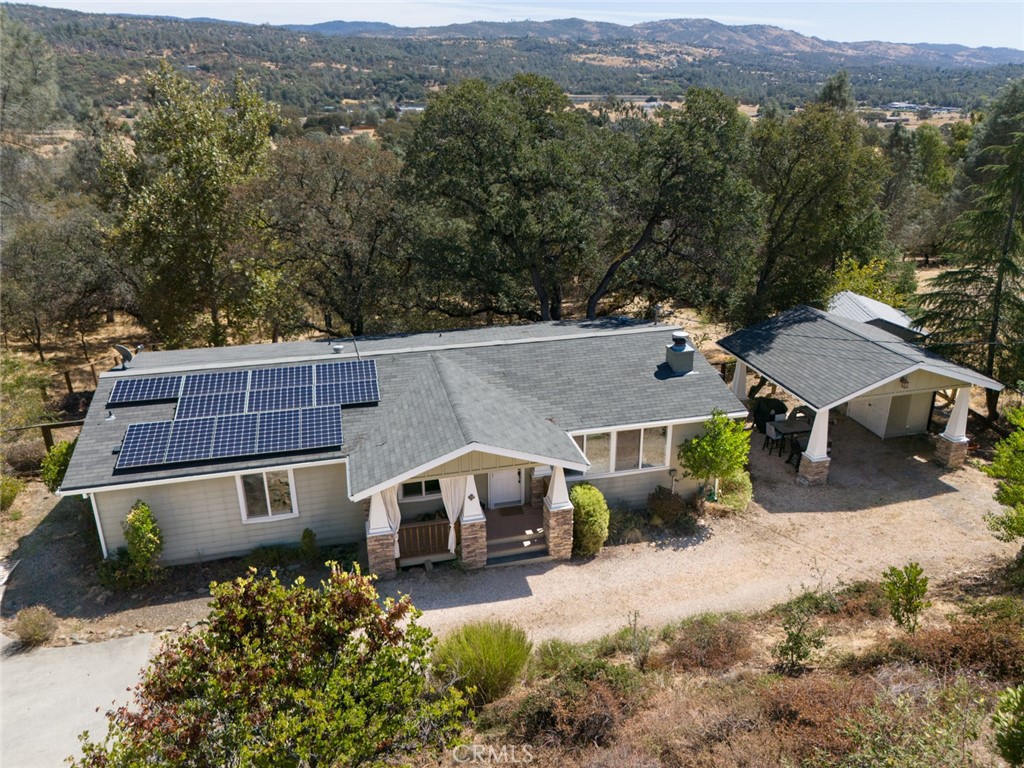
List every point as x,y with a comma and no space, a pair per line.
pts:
886,504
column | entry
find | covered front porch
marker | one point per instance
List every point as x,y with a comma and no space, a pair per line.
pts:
470,519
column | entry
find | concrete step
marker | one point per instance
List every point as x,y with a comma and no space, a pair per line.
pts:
516,547
518,558
537,535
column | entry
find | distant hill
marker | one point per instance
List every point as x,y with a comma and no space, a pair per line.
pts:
101,60
702,33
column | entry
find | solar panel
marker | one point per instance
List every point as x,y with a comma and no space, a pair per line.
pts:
144,444
235,436
145,389
347,370
191,440
321,427
222,404
214,383
276,378
348,393
280,399
279,431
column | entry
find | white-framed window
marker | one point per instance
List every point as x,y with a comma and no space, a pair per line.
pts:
266,496
626,450
418,490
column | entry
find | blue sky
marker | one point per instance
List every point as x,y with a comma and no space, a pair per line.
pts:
985,22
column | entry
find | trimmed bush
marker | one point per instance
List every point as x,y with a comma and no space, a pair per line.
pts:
55,465
35,625
10,487
589,520
309,552
483,659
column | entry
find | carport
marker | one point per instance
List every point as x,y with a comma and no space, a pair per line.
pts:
829,362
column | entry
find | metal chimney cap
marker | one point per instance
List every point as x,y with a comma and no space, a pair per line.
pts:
680,338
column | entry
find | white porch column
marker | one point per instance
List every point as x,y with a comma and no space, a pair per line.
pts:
378,524
951,447
471,509
558,516
956,429
815,461
557,496
817,445
739,380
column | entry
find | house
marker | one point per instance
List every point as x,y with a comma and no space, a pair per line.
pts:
881,381
422,446
864,309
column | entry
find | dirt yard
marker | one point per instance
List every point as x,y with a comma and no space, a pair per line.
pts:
886,504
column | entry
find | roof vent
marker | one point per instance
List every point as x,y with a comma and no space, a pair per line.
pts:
336,348
679,354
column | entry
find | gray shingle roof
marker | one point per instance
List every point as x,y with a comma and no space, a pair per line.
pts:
825,359
520,388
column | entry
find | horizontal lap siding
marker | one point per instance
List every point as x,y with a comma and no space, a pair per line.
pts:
633,488
201,520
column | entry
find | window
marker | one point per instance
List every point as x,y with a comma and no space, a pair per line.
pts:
420,489
632,449
266,496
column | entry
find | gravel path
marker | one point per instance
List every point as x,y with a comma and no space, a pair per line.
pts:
886,504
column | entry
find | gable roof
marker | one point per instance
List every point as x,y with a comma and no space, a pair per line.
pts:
513,389
864,309
825,359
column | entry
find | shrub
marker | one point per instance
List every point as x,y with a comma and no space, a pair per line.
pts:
800,643
272,556
720,452
10,487
35,625
671,510
1008,724
483,659
862,599
624,525
905,589
993,646
709,641
309,552
737,491
137,563
55,465
580,706
589,520
288,675
554,655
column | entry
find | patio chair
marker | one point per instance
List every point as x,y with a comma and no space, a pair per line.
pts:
772,439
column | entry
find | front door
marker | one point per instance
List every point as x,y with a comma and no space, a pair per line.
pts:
504,488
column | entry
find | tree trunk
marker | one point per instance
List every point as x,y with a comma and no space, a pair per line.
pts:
542,293
110,316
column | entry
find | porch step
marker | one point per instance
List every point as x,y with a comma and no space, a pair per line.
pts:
516,538
518,558
516,547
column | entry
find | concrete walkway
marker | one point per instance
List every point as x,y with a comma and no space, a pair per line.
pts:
48,696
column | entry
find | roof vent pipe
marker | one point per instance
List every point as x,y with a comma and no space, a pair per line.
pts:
679,354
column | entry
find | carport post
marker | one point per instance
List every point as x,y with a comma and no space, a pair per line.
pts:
739,380
951,448
815,460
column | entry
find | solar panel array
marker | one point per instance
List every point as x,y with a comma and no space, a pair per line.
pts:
230,414
221,437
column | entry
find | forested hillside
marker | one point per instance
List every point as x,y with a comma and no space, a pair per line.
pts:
100,59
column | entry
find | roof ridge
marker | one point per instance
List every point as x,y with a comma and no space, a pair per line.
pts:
895,346
441,377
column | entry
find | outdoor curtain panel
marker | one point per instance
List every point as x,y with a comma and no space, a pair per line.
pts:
453,494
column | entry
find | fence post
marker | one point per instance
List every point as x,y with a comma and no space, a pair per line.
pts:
67,378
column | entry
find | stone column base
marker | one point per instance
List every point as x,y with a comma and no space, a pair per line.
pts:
538,487
380,555
474,544
558,532
813,472
950,454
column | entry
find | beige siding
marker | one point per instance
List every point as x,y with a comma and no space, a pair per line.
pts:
473,462
201,519
919,381
633,488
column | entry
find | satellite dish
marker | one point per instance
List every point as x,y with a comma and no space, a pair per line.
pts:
126,354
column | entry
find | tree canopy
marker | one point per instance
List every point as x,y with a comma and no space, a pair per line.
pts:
288,676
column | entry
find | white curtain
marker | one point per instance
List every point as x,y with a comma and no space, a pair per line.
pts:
390,496
453,494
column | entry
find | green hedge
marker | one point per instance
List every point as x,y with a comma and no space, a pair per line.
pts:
55,465
589,520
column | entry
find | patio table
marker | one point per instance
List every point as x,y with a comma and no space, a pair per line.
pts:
792,426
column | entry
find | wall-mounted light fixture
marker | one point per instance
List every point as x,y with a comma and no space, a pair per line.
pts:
904,382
